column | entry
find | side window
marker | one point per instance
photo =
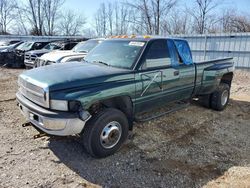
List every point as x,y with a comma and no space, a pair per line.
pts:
184,51
72,45
175,59
157,55
67,46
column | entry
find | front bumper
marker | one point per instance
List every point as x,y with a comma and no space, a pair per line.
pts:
29,63
51,122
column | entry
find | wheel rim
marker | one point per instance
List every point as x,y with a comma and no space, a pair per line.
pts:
224,97
111,134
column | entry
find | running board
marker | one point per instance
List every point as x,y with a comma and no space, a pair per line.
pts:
178,107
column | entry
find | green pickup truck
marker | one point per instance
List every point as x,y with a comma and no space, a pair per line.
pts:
101,97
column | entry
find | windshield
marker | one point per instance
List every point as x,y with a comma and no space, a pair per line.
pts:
86,46
25,46
52,46
120,53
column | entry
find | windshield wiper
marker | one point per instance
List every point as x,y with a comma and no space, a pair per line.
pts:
101,62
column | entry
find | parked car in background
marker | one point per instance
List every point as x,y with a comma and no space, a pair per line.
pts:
31,56
7,53
99,100
16,58
76,54
10,48
9,42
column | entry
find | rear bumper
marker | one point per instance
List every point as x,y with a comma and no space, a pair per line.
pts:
51,122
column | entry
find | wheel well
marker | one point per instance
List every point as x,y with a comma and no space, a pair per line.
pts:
227,78
122,103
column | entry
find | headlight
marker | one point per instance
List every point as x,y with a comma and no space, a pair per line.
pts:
59,105
74,106
62,105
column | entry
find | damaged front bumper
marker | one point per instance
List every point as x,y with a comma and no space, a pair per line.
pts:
52,122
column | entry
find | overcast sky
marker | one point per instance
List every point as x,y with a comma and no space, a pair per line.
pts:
89,7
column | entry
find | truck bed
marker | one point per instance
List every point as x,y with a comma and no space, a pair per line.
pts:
209,73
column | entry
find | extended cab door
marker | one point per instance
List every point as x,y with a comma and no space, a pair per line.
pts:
184,66
160,79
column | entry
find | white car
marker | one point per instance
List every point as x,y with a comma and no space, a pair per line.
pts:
76,54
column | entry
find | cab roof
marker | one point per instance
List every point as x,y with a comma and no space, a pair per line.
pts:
141,38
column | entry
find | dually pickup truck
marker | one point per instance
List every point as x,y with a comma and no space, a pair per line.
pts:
99,98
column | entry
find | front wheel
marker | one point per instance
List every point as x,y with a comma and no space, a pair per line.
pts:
220,97
105,132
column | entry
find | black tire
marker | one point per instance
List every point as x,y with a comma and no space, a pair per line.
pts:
91,136
217,102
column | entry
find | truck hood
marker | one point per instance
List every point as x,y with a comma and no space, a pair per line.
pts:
37,52
58,55
72,75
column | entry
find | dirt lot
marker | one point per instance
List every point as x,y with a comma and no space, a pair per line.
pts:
193,147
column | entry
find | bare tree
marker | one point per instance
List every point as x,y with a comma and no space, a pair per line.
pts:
21,20
102,19
51,14
178,23
71,23
7,14
35,14
42,15
152,13
201,14
234,22
110,17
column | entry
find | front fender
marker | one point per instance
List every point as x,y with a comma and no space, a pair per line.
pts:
100,92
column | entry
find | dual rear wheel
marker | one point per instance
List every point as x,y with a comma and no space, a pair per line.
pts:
218,100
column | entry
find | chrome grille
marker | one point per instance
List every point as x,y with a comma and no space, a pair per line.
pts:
30,57
32,92
27,56
33,57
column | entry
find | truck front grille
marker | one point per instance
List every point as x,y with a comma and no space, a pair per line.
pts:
30,57
34,93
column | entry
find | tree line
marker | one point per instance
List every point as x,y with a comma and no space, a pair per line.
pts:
39,17
154,17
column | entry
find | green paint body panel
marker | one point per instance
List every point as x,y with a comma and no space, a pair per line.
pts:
89,83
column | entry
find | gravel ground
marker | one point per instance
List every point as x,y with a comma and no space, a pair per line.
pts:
193,147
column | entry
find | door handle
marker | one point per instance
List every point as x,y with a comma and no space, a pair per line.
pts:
176,73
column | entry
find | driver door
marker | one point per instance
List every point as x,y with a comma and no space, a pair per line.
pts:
156,78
